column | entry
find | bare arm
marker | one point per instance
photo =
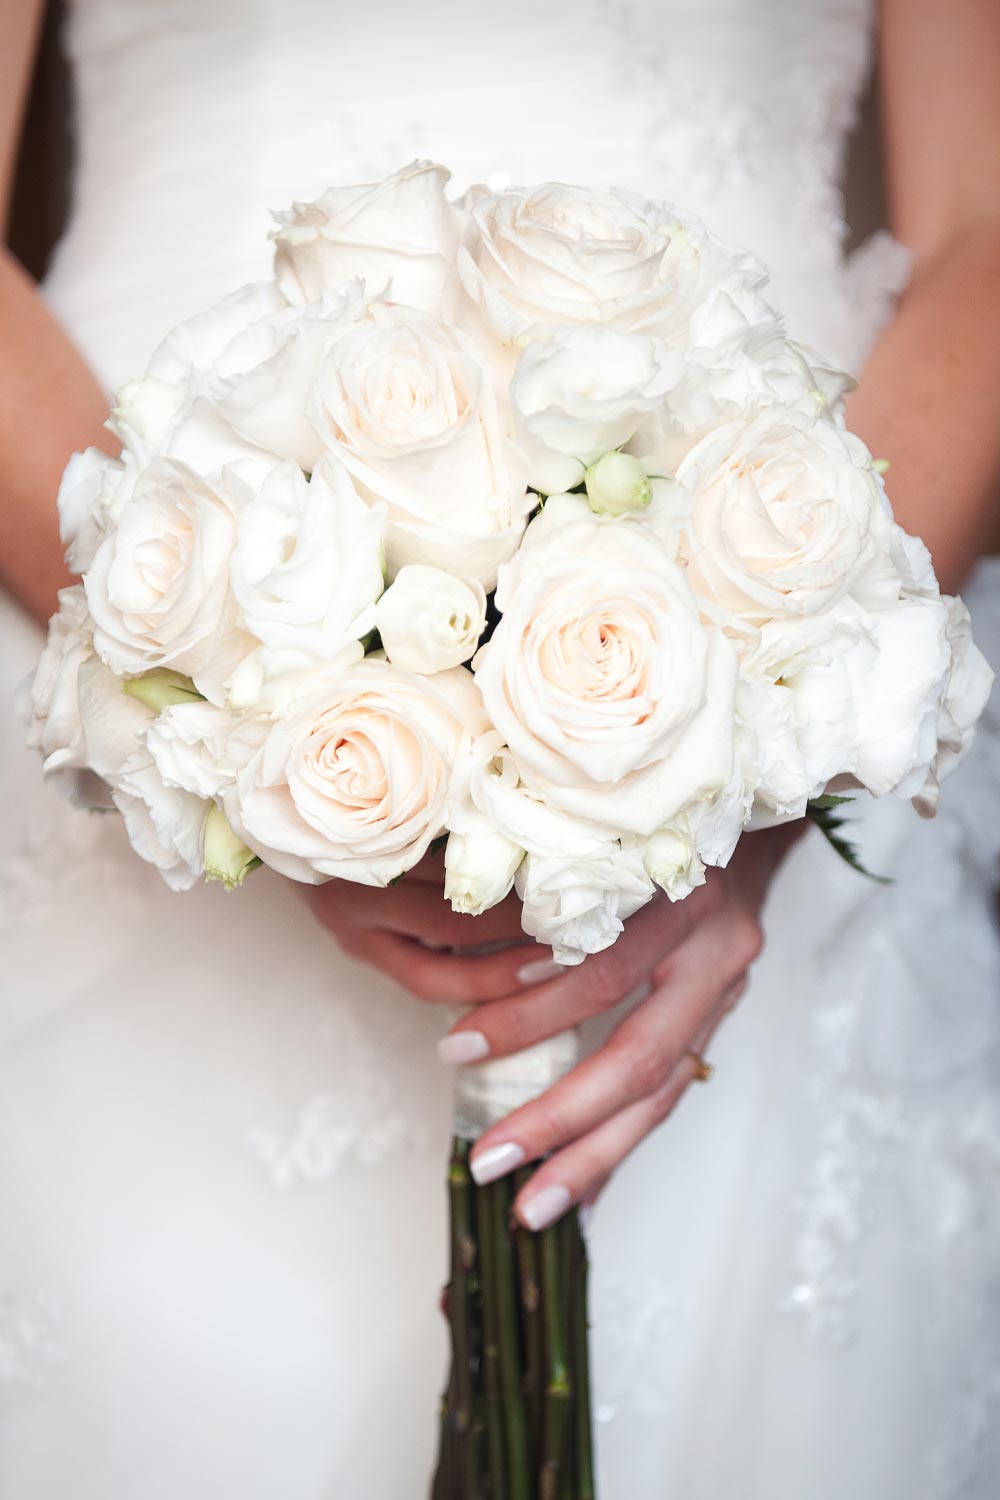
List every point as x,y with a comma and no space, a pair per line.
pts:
929,398
50,402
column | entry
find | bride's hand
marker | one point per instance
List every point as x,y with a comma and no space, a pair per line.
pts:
411,934
694,956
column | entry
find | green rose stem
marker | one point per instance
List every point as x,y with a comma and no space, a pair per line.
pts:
462,1318
557,1389
509,1340
491,1351
515,1415
583,1431
531,1319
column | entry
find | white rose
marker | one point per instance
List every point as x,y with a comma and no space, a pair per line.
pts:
199,747
158,588
165,825
430,620
798,701
261,383
616,702
782,513
581,392
479,870
578,905
672,861
756,367
355,780
966,694
402,231
307,567
408,406
899,695
559,254
50,700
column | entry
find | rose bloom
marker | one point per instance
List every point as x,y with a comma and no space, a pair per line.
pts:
402,231
158,587
354,780
615,700
578,393
560,254
407,404
783,513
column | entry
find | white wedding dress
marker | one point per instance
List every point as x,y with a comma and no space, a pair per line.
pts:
222,1143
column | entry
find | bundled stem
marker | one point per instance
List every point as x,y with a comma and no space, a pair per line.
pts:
515,1421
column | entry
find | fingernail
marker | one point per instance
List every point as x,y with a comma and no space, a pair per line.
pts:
586,1215
539,970
545,1207
494,1163
463,1047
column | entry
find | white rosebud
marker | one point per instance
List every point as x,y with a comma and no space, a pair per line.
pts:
672,861
429,620
226,856
479,870
617,483
162,688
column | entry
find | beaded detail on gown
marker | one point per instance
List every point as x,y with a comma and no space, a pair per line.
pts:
213,1125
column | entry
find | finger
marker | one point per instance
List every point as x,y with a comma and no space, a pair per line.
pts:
635,1060
446,978
417,910
579,1173
599,983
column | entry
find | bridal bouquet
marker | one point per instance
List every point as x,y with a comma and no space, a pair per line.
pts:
518,523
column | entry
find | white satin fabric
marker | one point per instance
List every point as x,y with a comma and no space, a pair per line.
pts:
222,1143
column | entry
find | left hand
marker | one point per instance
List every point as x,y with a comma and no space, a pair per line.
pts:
694,955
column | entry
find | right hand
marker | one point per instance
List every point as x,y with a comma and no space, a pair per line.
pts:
410,933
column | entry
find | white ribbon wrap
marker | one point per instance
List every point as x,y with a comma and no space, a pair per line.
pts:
486,1092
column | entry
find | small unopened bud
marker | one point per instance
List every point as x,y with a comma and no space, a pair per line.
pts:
162,689
479,870
226,857
616,484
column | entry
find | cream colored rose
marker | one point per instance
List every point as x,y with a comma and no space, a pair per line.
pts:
402,232
355,780
158,588
559,254
615,700
429,620
578,905
406,403
580,392
306,572
782,515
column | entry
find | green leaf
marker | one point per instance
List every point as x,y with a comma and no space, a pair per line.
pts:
436,845
822,811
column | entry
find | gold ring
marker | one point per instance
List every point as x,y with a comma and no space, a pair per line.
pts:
703,1071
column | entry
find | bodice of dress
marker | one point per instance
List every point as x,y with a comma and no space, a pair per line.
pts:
195,117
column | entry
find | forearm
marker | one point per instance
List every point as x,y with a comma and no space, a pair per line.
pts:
929,402
50,405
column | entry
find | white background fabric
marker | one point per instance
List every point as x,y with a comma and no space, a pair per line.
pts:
221,1143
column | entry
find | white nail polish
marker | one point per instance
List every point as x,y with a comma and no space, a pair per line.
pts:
463,1047
586,1217
545,1207
539,970
496,1162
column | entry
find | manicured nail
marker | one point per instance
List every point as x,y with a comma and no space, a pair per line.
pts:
586,1215
463,1047
545,1207
496,1162
539,970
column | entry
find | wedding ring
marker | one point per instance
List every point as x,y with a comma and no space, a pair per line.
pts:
703,1071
